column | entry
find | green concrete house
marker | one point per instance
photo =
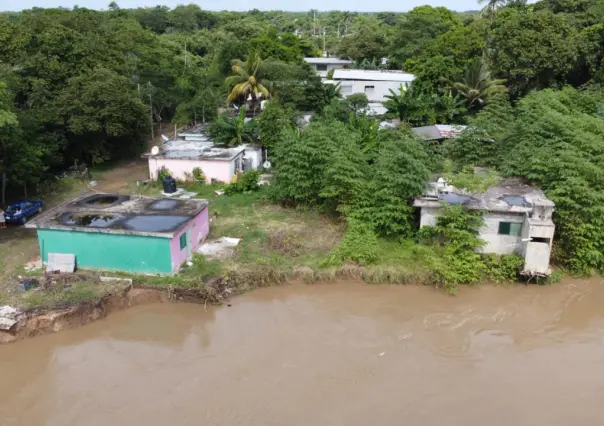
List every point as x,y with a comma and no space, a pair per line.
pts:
121,233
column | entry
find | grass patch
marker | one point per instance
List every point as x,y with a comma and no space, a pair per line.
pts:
75,293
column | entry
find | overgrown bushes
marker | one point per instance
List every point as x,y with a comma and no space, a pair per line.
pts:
456,241
359,245
246,182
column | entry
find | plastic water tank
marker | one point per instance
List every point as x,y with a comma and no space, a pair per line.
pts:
169,185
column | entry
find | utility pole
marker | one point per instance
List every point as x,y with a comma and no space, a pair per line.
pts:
314,23
324,32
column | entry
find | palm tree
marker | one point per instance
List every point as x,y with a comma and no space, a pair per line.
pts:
331,92
249,81
477,85
490,6
409,105
232,131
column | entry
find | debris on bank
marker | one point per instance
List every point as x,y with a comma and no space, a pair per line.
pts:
221,248
33,265
9,316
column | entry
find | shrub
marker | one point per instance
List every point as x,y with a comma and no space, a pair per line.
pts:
246,182
163,173
198,175
360,245
456,237
503,268
458,267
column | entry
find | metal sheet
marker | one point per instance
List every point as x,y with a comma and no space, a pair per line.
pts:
65,263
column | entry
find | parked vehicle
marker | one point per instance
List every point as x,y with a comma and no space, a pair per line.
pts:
21,211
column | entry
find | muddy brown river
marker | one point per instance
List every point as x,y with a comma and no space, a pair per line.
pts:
323,355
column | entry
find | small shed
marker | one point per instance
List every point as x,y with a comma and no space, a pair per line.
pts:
122,233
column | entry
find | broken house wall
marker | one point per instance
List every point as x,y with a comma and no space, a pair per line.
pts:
199,228
496,243
220,170
489,232
107,251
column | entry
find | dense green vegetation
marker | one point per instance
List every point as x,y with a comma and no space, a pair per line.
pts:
91,86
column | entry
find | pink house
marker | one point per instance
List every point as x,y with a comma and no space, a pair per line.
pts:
181,157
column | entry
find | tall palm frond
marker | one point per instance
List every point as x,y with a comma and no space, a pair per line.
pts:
491,7
250,79
477,85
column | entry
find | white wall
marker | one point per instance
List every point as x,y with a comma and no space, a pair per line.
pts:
495,243
500,244
255,154
428,216
381,88
220,170
536,260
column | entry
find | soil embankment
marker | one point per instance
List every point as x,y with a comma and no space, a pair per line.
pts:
36,323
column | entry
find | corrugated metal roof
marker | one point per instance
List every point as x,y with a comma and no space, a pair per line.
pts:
334,61
438,131
373,75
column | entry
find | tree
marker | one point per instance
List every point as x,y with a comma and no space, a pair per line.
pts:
345,177
418,28
358,102
369,41
416,107
232,131
555,141
400,173
454,49
302,160
531,50
490,6
478,86
272,123
20,160
250,81
332,92
103,109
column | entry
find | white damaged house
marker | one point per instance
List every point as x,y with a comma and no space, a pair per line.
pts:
517,219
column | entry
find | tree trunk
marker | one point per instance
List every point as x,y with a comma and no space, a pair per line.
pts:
3,188
25,190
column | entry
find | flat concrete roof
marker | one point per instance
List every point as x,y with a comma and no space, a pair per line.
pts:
197,130
120,214
195,150
512,195
328,61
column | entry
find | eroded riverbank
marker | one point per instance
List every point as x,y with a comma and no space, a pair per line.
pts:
325,354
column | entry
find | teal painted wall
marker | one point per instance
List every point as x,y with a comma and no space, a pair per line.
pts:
94,250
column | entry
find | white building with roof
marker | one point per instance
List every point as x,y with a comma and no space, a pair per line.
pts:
324,65
517,219
376,84
196,150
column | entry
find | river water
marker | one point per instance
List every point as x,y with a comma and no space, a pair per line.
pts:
323,355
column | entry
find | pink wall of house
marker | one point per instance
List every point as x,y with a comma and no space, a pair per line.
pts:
220,170
199,228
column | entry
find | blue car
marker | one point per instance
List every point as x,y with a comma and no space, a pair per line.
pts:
21,211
